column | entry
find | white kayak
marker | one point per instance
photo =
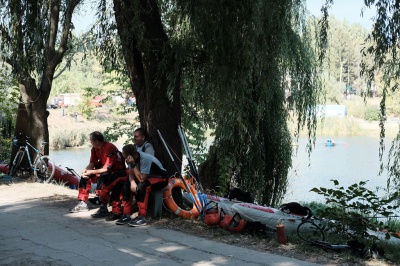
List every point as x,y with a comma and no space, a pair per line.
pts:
267,216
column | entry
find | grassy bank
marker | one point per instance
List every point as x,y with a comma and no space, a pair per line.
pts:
350,126
65,132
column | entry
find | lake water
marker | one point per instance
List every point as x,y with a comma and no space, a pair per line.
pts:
352,160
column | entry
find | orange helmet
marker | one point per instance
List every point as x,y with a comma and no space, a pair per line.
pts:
212,219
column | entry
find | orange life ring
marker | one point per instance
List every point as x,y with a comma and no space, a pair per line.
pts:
172,206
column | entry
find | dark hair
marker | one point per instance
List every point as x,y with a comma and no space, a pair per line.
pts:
142,132
96,135
130,149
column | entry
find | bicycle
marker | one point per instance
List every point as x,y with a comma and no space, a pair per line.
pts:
43,166
313,234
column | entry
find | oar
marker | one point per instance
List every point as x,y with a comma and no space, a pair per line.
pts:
189,155
178,171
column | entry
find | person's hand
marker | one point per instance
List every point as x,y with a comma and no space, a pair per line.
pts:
133,186
85,174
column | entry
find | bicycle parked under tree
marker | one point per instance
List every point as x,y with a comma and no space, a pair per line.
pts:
43,166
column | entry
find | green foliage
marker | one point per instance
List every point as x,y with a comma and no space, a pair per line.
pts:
235,77
355,212
383,68
68,138
371,113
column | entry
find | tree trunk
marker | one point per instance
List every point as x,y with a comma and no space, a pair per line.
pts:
54,46
143,39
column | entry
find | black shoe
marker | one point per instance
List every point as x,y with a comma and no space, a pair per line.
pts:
113,217
138,221
95,200
101,213
123,220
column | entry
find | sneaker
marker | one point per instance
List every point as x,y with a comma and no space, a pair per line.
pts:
79,208
138,221
123,220
101,213
95,200
113,217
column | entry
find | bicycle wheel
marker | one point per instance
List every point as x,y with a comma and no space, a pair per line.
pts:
44,168
310,232
17,161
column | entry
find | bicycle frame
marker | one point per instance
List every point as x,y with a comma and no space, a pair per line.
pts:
42,165
26,150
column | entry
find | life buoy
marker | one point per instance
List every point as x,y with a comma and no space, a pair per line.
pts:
172,206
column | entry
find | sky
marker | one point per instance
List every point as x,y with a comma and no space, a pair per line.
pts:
349,10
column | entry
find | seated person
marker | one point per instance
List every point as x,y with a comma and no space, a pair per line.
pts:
121,195
145,173
105,161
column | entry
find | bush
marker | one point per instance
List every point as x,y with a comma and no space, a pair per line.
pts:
371,113
353,212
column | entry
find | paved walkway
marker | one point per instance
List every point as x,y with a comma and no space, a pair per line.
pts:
38,230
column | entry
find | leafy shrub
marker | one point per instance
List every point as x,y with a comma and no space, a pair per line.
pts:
353,212
371,113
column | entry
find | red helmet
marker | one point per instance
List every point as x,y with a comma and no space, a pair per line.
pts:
212,219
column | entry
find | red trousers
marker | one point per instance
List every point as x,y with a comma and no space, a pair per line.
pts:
84,187
142,202
122,196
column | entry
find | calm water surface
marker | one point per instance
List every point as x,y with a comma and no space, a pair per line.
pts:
352,160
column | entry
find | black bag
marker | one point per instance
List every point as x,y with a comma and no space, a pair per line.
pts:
296,208
240,195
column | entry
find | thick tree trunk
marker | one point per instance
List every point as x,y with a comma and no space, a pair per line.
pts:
32,121
143,39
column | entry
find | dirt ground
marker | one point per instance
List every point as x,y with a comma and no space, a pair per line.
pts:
65,198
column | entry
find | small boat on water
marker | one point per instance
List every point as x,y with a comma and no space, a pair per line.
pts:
329,143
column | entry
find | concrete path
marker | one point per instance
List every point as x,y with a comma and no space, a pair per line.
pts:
38,230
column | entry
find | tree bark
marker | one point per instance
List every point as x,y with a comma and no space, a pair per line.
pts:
143,41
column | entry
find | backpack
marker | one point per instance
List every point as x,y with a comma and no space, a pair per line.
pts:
240,195
296,208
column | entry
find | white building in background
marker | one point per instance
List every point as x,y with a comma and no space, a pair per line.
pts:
331,111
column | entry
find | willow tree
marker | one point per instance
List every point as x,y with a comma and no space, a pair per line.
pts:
224,65
256,53
383,46
34,39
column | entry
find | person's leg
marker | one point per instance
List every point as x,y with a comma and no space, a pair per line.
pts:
83,195
108,182
142,198
116,201
126,198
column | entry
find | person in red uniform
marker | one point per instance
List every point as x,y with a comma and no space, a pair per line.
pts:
105,167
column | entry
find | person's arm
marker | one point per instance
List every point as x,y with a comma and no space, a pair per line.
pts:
140,176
